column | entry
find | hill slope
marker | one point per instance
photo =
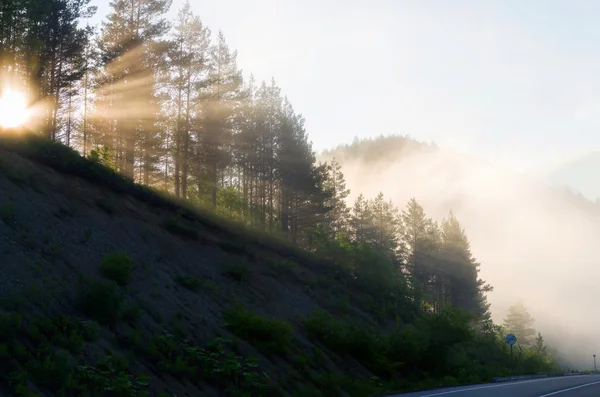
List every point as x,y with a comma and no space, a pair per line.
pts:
55,232
580,174
109,288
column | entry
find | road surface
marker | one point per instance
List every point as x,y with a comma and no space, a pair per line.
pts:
567,386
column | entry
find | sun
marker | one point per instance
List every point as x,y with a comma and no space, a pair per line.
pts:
14,111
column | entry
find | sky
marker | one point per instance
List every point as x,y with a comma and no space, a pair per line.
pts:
512,81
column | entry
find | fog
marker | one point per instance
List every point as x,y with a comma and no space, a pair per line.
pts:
535,243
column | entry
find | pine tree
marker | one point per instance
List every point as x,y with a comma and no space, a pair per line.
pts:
464,287
190,59
128,46
540,348
520,323
420,237
339,215
361,221
218,102
386,228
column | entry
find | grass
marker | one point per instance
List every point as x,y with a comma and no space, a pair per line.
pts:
107,205
270,336
237,271
8,212
177,228
190,282
117,267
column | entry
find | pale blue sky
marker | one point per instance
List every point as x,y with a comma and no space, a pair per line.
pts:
515,81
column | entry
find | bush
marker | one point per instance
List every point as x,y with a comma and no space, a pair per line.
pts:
117,267
269,336
237,272
360,342
214,363
181,230
190,282
102,301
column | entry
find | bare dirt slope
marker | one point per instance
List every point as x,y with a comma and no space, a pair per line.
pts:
55,230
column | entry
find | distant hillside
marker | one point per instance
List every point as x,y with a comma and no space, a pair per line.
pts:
535,242
581,174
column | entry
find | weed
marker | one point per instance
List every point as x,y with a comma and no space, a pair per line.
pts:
213,363
131,313
36,182
281,266
211,286
117,267
107,205
64,212
237,271
269,336
87,236
190,282
236,248
178,229
8,212
17,177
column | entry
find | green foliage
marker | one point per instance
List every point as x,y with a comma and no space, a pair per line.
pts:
107,205
213,363
101,300
267,335
117,267
102,156
237,271
282,266
177,228
190,282
42,352
8,212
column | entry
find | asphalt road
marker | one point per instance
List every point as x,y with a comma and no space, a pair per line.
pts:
568,386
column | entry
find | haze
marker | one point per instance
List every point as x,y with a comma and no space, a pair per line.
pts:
536,244
515,82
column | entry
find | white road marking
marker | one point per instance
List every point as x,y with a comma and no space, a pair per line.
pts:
494,386
569,389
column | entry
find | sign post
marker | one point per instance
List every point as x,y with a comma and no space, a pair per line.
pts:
594,363
511,339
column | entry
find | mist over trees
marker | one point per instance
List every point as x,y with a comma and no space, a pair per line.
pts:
519,322
166,105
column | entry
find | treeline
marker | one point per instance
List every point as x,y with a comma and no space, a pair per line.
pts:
166,105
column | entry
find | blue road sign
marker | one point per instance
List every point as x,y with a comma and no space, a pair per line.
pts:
511,339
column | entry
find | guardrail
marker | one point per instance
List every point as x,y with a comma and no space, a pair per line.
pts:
522,377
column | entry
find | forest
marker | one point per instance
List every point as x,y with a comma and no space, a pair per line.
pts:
164,104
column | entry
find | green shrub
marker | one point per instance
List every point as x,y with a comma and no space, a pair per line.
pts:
107,205
267,335
102,301
117,267
7,212
178,229
190,282
237,272
214,363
